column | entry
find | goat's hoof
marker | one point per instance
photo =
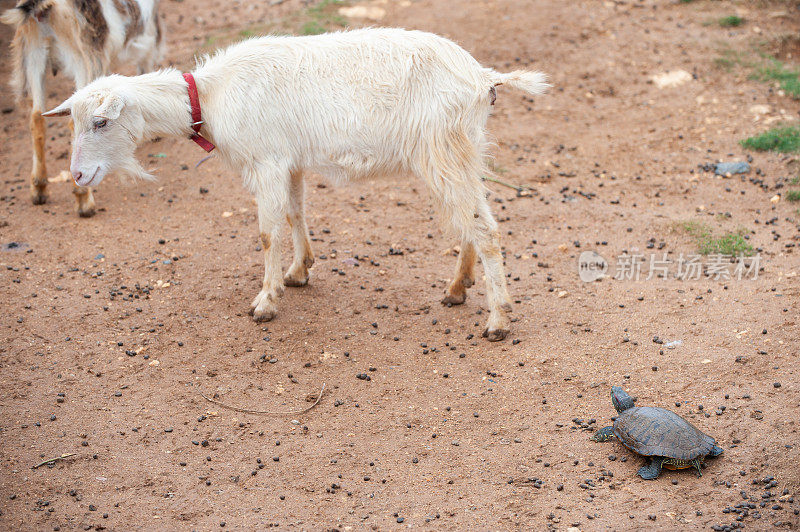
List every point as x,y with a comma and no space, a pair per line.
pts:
38,198
86,211
264,306
495,335
295,280
263,315
262,312
454,299
84,200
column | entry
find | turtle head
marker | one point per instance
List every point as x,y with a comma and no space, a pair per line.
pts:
622,401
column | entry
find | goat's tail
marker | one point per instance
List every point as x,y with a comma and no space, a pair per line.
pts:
526,80
26,9
13,16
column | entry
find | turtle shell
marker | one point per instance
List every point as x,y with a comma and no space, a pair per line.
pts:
652,431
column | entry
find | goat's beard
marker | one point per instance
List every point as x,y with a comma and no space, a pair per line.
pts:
131,170
127,166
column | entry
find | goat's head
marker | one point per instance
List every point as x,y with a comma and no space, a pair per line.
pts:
108,126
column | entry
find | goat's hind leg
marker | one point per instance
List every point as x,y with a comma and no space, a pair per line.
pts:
486,239
457,187
488,244
297,274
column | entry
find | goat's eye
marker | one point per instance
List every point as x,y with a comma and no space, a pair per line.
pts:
100,124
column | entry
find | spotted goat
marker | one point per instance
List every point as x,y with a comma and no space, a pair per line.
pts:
86,39
350,106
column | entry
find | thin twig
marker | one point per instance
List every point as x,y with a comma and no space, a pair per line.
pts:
518,188
204,159
266,412
52,460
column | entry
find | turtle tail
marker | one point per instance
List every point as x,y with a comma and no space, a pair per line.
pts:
715,451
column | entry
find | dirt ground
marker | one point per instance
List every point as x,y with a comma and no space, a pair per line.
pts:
112,326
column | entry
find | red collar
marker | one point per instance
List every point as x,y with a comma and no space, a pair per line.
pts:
197,119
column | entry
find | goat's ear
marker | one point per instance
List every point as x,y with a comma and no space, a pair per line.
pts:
65,109
110,108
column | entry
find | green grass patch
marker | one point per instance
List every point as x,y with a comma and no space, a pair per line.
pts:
321,17
729,243
209,41
693,228
762,67
793,194
733,244
312,27
783,140
787,78
324,16
724,63
731,21
322,8
729,58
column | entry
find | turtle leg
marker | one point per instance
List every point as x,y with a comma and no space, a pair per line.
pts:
652,470
696,464
604,434
715,451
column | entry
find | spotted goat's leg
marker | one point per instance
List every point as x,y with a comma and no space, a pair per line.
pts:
39,169
84,200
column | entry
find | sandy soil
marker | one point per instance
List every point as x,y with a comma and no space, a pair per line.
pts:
112,326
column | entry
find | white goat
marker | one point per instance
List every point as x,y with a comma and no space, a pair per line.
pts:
87,38
348,105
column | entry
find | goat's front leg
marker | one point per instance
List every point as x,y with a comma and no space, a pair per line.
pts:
265,306
297,275
39,170
84,200
271,212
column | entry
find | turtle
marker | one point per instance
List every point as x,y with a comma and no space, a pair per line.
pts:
665,437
